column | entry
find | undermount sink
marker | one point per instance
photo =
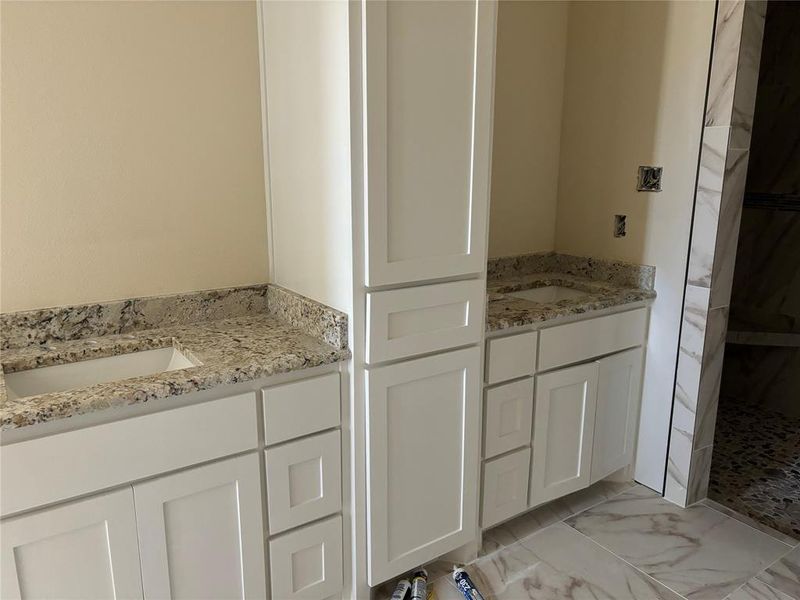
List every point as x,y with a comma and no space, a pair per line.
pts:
547,294
59,378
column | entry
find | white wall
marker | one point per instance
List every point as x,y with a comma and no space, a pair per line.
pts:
634,93
131,150
529,83
307,90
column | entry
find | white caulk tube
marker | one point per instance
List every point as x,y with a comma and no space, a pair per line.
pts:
465,585
401,589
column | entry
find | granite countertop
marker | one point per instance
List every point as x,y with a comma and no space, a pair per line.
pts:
251,343
607,284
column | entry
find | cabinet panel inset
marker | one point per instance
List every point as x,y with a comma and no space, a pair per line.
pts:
508,417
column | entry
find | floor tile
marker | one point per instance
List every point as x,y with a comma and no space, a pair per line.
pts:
725,510
521,527
757,590
558,563
784,575
698,552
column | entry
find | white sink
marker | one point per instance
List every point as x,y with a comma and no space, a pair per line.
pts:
59,378
547,294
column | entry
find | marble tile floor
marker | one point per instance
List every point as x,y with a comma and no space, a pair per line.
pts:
755,467
625,542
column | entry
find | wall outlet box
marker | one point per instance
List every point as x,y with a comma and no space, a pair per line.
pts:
649,179
620,226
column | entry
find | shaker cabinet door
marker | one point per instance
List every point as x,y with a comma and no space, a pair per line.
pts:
422,460
619,393
201,534
429,69
563,428
80,550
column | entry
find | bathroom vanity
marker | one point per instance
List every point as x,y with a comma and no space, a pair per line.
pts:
221,478
563,371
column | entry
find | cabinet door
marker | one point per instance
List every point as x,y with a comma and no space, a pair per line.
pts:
201,534
563,427
304,481
82,550
619,391
505,487
507,417
428,113
422,460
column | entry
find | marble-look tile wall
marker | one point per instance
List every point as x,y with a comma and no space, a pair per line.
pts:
718,207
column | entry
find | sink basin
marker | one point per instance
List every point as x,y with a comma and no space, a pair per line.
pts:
58,378
550,293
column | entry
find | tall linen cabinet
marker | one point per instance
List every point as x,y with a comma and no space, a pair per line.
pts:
404,90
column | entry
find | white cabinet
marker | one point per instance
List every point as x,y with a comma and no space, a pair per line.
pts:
507,417
201,534
429,68
306,564
618,393
422,456
426,318
304,481
505,487
563,427
82,550
511,357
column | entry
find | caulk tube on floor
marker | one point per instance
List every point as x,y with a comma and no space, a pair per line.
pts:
465,585
401,589
419,585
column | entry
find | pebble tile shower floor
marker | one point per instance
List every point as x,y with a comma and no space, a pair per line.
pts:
756,465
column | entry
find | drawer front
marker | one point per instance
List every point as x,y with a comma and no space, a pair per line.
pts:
306,564
301,407
508,415
505,487
511,357
304,481
583,340
424,319
86,460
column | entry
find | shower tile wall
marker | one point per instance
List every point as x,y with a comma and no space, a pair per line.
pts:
723,166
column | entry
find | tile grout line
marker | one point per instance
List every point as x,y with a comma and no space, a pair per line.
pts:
634,567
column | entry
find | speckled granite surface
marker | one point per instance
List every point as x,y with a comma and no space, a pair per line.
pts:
607,284
236,337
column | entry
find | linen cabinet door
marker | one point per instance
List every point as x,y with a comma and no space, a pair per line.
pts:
619,392
422,460
563,429
201,534
428,111
82,550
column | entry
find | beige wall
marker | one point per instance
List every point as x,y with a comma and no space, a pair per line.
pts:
307,76
529,82
634,94
131,150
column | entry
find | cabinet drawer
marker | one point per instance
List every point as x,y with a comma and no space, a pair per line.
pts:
505,487
301,407
508,412
304,481
73,463
307,563
575,342
424,319
511,357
